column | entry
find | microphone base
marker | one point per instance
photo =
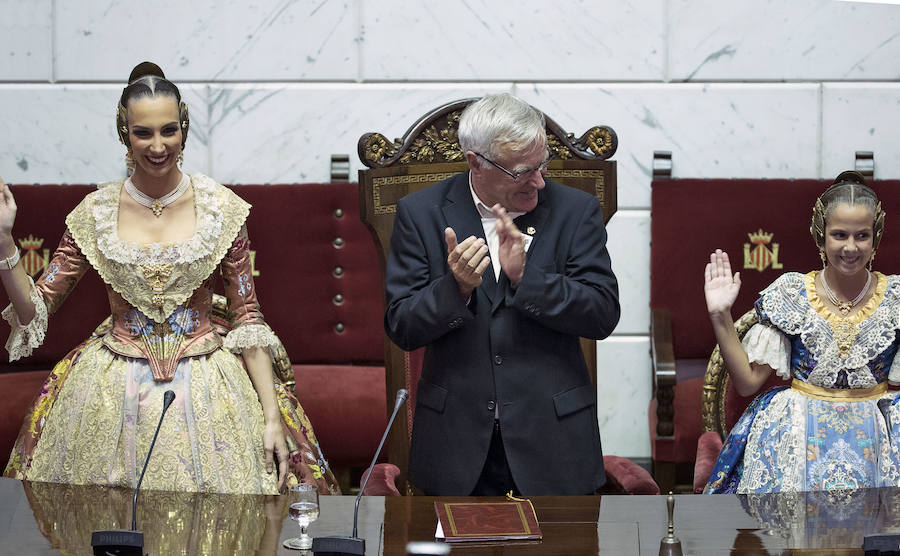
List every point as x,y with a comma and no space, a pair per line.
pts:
122,542
338,546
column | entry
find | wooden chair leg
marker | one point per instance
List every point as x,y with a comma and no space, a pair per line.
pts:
664,474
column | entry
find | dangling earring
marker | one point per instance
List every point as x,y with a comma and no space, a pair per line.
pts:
824,260
129,162
180,159
871,260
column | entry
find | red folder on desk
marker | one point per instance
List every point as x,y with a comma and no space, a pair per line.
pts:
487,521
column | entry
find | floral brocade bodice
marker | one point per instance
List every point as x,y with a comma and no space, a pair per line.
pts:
186,332
160,294
828,350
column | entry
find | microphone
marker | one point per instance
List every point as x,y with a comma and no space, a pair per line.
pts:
121,542
352,545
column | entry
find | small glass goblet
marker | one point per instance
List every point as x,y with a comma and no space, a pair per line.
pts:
304,509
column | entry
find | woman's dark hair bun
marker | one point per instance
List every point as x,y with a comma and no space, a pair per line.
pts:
851,176
145,68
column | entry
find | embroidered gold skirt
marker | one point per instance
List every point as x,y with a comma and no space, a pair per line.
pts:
96,417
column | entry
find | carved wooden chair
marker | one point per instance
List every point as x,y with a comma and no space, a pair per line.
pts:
428,153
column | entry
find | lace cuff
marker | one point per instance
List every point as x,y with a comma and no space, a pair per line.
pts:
250,335
23,339
770,347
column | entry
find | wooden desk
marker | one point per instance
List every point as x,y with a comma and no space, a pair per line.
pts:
45,519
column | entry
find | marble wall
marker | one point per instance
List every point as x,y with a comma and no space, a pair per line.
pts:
750,88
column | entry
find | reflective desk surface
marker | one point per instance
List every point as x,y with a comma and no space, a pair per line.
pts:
44,518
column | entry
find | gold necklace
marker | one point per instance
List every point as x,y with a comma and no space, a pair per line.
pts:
845,306
154,204
844,329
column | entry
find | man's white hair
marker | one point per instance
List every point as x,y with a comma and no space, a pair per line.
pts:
500,120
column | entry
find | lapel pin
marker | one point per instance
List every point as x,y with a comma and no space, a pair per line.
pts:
530,230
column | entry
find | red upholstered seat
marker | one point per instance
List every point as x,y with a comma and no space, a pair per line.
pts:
319,285
763,225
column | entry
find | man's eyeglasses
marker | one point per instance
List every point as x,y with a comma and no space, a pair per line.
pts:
516,176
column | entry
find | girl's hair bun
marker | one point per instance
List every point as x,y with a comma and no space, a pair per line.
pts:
145,68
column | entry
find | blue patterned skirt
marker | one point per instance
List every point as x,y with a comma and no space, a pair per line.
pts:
787,441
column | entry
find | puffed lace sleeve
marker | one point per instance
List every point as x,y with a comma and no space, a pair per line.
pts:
63,272
768,346
248,327
23,339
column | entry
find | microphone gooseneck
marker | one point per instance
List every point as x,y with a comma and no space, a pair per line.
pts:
340,545
168,397
402,396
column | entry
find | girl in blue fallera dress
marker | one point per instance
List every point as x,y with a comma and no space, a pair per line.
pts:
834,333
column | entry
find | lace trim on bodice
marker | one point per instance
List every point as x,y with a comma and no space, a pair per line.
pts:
156,278
792,305
105,210
24,339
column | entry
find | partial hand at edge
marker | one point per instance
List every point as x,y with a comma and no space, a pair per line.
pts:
8,210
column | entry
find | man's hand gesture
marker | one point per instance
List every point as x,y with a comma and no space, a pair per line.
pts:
467,260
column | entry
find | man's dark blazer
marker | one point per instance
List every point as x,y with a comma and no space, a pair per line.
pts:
516,350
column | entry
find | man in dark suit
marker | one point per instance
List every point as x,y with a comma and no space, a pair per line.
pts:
498,272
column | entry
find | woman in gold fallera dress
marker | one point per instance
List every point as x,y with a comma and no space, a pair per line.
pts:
157,240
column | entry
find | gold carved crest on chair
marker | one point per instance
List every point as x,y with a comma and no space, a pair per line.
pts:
433,139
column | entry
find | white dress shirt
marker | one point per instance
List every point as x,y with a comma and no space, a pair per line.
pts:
489,224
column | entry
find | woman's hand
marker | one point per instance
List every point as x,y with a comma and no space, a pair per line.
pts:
273,441
720,287
7,215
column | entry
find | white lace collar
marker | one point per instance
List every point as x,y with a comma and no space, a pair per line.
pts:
790,307
134,271
207,230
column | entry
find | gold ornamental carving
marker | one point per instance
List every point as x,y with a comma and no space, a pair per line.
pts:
387,189
601,141
557,149
436,145
378,148
434,138
564,175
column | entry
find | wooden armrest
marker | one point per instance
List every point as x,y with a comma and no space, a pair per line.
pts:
663,361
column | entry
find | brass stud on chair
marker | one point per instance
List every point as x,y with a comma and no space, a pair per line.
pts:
338,213
338,299
338,271
339,328
338,242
